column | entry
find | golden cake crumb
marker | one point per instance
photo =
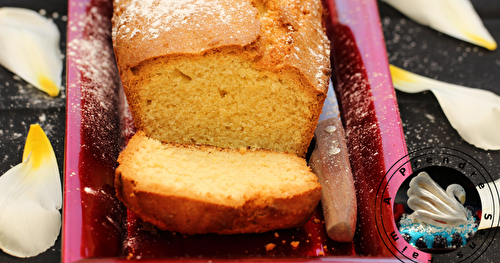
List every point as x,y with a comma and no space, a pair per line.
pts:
294,244
270,246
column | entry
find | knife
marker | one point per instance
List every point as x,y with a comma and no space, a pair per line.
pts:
330,162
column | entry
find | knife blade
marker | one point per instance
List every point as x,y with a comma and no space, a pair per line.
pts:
330,162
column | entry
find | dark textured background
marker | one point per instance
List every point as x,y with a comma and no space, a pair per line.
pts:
22,105
426,52
411,46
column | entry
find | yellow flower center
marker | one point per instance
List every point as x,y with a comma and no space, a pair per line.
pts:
400,74
481,41
48,86
37,146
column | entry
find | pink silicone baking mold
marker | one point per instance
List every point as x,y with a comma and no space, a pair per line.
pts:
97,227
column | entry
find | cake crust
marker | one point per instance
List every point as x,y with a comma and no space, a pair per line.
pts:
277,34
190,216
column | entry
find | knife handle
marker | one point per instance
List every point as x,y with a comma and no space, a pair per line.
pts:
330,162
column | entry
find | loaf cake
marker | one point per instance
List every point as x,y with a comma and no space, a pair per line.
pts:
228,73
196,189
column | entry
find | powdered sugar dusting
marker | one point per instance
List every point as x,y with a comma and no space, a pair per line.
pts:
92,55
330,129
165,15
333,150
94,59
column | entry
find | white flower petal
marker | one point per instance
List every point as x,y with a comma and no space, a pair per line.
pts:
30,199
29,47
474,113
456,18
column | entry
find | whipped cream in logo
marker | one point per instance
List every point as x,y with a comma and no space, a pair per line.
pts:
432,205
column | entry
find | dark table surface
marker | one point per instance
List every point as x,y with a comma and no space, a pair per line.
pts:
409,45
22,105
426,52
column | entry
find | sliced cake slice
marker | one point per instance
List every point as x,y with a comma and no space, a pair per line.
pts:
196,189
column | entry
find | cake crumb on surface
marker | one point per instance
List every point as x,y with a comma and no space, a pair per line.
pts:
270,246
